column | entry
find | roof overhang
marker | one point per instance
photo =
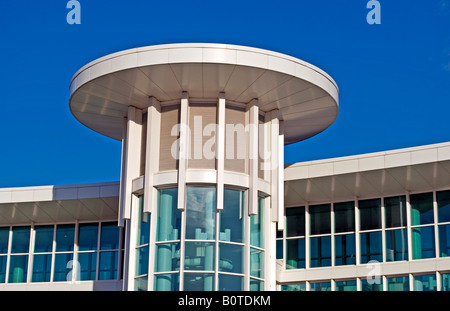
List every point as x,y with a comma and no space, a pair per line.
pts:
379,174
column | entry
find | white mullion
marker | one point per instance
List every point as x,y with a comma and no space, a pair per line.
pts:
30,252
121,221
97,264
246,243
52,265
383,231
408,225
281,208
75,263
8,262
357,230
220,150
307,238
253,111
183,150
333,246
435,223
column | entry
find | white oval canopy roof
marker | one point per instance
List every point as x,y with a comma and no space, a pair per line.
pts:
306,96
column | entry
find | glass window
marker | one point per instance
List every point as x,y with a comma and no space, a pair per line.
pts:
3,260
396,245
320,219
141,284
142,260
257,226
169,216
231,217
143,228
345,249
88,265
256,285
63,267
20,240
395,211
423,242
108,265
231,258
445,281
443,203
256,263
371,247
41,268
425,283
18,265
344,217
295,251
370,214
295,221
198,281
199,256
398,284
345,286
421,209
200,213
43,241
301,287
444,240
229,282
167,257
374,285
109,236
65,238
88,237
4,238
320,251
167,282
320,287
279,251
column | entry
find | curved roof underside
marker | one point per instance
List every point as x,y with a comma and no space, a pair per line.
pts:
101,91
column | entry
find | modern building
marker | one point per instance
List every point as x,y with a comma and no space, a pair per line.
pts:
205,201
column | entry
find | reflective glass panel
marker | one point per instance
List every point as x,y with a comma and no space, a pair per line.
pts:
295,221
444,240
3,260
87,237
88,265
371,247
141,284
199,256
320,219
346,286
231,258
43,241
231,217
18,266
398,284
20,240
257,226
370,214
230,282
279,251
198,281
4,238
320,287
421,209
65,238
41,268
143,228
63,267
167,282
169,216
256,263
301,287
200,213
256,285
443,203
345,249
142,260
295,253
344,217
425,283
167,257
445,282
396,245
109,237
320,251
371,285
108,265
423,242
395,211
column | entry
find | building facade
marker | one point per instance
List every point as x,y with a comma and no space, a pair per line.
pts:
205,201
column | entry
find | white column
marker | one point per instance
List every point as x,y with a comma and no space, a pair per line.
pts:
133,156
253,112
220,150
152,153
183,150
281,210
357,237
123,168
274,133
408,227
307,241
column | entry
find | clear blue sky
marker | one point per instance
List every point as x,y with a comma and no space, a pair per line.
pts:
394,78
